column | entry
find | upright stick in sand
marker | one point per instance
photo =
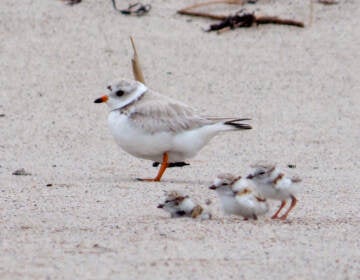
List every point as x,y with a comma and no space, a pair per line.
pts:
138,74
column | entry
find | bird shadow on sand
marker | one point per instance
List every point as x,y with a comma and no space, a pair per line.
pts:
188,182
132,181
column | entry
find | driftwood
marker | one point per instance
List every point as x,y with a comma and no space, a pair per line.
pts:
328,2
240,19
138,74
248,20
189,10
71,2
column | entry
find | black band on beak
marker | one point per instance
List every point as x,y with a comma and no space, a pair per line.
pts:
102,99
99,100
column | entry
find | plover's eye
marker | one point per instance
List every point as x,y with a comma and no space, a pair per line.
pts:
120,93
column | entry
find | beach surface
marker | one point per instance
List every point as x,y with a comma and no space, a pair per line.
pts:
81,214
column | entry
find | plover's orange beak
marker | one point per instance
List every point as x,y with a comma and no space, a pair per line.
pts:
102,99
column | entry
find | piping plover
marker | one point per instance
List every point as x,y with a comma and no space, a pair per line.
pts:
151,126
239,197
179,205
273,184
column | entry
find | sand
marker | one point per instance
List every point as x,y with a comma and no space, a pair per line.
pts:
81,215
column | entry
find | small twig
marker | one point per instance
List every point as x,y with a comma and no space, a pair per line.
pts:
21,172
201,14
71,2
277,20
188,10
328,2
231,2
311,16
138,74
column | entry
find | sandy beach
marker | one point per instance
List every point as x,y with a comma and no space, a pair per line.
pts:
82,215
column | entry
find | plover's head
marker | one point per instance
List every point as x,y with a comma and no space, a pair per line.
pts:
173,203
223,183
262,172
122,93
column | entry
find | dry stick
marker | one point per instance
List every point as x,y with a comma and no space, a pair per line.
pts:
264,20
235,2
187,10
311,17
328,2
138,74
201,14
277,20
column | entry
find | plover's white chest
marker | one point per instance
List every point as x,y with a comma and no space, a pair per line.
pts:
250,205
280,190
230,205
135,140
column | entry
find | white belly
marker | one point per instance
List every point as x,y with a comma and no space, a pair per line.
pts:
269,191
141,144
230,205
250,206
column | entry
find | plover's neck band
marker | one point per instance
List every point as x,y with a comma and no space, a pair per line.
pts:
278,178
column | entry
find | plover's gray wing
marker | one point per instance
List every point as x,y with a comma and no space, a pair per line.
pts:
158,115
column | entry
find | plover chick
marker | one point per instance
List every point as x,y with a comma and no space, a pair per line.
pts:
179,205
273,184
239,197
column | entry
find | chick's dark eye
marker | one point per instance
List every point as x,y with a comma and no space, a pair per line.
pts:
120,93
261,173
224,184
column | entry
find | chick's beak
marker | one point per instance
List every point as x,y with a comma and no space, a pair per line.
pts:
101,99
160,206
212,187
250,176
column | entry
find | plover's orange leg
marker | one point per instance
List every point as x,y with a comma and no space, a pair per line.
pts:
292,205
275,216
163,166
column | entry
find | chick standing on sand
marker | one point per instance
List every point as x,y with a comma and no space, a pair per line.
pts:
239,197
273,184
